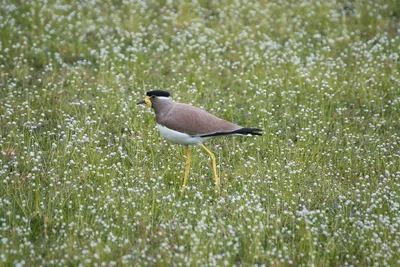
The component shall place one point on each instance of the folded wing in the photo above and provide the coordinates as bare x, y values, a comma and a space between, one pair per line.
196, 122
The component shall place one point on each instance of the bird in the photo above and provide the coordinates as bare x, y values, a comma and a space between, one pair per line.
188, 125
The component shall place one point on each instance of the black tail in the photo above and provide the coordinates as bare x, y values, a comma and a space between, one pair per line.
252, 131
243, 131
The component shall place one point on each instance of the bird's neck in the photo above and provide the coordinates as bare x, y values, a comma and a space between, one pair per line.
162, 106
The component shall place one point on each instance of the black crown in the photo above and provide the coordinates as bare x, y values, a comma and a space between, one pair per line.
158, 93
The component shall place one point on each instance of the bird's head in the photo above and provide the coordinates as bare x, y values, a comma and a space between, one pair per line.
153, 96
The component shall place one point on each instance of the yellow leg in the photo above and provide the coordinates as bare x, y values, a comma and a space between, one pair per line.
214, 165
187, 167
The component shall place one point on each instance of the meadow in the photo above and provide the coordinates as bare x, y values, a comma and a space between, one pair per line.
87, 180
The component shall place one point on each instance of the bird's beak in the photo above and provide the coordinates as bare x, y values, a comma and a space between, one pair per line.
146, 101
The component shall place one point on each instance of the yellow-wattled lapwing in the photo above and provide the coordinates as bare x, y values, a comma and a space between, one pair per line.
188, 125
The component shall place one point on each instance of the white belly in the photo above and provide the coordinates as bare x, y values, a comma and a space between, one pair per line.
179, 138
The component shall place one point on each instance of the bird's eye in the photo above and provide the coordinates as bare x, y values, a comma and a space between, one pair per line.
153, 96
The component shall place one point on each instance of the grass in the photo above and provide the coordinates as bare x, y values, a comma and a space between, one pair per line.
86, 179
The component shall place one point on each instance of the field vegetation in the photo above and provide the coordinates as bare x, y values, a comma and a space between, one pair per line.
86, 179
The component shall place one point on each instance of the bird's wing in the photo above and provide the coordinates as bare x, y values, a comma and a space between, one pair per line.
194, 121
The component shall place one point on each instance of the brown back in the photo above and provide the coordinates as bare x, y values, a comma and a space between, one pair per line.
193, 121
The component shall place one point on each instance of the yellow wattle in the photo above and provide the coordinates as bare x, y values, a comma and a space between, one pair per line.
147, 101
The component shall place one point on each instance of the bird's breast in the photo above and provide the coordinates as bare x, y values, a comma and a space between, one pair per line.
178, 137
